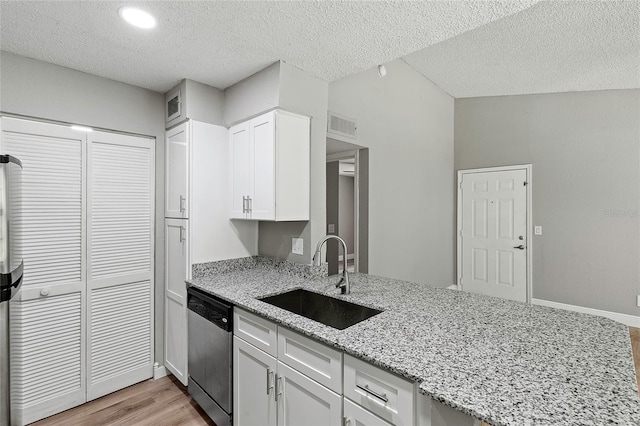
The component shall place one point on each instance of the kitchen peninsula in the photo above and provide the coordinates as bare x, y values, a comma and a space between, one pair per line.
500, 361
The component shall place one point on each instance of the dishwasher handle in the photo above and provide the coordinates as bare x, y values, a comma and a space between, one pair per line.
212, 309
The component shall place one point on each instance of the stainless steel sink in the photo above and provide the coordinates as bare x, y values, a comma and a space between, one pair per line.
327, 310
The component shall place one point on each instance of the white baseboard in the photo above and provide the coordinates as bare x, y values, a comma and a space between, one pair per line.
159, 371
630, 320
454, 287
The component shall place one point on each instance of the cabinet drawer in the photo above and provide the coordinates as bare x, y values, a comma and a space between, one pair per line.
355, 415
256, 330
320, 362
379, 391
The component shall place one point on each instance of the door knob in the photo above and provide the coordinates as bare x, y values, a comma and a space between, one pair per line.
520, 247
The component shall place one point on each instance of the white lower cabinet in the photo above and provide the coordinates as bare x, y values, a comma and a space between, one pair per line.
355, 415
254, 402
286, 379
302, 401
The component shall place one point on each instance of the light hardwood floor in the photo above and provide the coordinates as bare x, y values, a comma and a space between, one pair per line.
162, 402
165, 402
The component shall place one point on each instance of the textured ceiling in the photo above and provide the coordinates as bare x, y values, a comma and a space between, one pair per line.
552, 47
220, 43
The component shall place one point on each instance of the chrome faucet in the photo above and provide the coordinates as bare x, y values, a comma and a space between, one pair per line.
345, 288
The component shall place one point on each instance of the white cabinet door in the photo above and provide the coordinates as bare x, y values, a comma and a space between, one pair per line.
270, 167
355, 415
263, 185
240, 149
253, 386
177, 172
120, 246
176, 272
304, 402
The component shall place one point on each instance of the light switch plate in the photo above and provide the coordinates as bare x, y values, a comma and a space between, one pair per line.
297, 246
537, 230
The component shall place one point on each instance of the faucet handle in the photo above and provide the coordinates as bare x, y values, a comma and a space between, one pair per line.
341, 283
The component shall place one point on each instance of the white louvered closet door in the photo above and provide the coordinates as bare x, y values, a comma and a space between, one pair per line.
47, 327
120, 261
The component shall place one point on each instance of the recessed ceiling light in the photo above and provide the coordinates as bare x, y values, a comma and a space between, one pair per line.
137, 17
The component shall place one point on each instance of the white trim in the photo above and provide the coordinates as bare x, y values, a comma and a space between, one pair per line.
529, 179
454, 287
630, 320
159, 371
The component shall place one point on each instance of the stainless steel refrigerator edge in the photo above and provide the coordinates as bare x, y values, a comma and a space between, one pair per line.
11, 267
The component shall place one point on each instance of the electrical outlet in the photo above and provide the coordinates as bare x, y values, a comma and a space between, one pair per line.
537, 230
297, 246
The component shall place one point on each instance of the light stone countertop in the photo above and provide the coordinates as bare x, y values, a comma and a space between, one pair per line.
504, 362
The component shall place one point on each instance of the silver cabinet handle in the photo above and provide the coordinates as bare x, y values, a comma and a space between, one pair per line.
182, 236
278, 387
183, 203
365, 388
244, 204
269, 374
250, 202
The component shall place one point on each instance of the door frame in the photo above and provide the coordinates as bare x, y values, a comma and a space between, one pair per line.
461, 173
347, 155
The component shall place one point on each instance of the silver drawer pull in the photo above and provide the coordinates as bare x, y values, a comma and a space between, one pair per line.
382, 397
182, 204
269, 375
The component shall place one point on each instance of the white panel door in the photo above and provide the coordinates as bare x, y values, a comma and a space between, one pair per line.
262, 202
176, 271
177, 172
304, 402
120, 200
494, 231
47, 327
253, 386
241, 171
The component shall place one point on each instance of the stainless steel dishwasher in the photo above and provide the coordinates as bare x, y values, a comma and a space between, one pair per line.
210, 324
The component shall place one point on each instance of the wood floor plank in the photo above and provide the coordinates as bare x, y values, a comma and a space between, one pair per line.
153, 402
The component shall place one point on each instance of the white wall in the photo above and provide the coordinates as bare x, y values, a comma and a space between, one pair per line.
253, 95
407, 124
585, 152
43, 90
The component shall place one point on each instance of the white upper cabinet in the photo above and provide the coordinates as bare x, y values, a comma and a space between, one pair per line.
270, 167
177, 172
240, 148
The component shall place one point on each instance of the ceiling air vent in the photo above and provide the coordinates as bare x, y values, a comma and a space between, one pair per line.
341, 128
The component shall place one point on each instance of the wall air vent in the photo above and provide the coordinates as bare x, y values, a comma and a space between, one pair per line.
341, 128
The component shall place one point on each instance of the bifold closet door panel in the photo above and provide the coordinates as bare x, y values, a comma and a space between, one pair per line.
47, 356
120, 199
47, 316
52, 204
